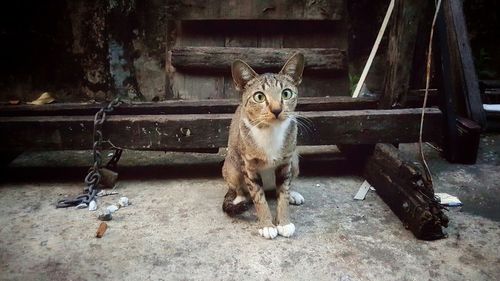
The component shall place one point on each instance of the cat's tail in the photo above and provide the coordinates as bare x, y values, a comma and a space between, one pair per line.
233, 209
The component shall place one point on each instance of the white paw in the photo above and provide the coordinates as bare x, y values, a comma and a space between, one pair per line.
296, 198
239, 199
268, 232
286, 230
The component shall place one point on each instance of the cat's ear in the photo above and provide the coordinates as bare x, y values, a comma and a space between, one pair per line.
242, 74
294, 67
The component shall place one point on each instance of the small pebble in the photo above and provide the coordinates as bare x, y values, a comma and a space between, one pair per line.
81, 206
106, 216
92, 205
112, 208
123, 202
317, 185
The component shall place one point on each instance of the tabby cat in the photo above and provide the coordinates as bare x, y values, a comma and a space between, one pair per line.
262, 152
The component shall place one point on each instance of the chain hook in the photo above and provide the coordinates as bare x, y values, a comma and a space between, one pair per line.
93, 177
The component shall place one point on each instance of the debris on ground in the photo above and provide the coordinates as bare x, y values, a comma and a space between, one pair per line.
103, 193
14, 102
448, 200
362, 191
44, 98
123, 202
81, 206
105, 216
92, 205
112, 208
102, 228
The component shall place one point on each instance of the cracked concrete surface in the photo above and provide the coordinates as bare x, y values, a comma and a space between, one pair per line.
175, 229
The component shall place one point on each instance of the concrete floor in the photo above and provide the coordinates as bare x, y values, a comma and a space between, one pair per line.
175, 229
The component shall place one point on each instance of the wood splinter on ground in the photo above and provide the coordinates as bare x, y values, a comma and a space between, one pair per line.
101, 230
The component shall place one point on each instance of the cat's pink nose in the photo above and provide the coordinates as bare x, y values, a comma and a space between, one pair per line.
276, 112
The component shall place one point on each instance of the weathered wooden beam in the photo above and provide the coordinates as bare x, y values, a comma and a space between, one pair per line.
220, 58
463, 73
181, 107
249, 10
164, 132
402, 187
469, 135
447, 97
407, 16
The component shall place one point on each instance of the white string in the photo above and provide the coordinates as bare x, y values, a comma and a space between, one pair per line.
427, 82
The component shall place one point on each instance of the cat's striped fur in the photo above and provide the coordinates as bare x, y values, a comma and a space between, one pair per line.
262, 145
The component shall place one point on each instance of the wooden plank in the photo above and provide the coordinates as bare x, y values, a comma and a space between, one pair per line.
187, 85
163, 132
464, 77
403, 188
220, 59
469, 135
180, 107
243, 34
407, 16
247, 10
319, 34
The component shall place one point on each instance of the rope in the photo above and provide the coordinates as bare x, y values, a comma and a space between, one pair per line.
426, 94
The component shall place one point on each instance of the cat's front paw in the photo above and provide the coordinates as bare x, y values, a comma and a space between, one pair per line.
268, 232
296, 198
286, 230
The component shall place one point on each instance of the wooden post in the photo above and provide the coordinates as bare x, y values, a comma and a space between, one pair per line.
465, 84
406, 17
459, 87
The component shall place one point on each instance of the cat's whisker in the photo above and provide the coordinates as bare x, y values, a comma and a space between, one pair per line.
302, 124
305, 119
304, 128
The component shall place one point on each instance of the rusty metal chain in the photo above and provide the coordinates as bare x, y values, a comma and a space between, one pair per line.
93, 177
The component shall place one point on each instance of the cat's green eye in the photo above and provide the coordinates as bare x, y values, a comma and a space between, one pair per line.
287, 94
259, 97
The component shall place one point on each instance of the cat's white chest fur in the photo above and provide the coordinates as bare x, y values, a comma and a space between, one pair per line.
270, 140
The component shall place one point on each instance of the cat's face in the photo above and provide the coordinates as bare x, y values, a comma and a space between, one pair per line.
269, 98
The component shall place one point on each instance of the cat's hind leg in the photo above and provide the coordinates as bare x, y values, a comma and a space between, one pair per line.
235, 201
234, 204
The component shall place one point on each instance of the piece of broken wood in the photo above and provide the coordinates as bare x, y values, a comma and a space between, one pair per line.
403, 188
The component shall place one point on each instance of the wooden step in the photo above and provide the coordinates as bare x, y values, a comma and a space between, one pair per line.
201, 131
254, 9
180, 107
270, 59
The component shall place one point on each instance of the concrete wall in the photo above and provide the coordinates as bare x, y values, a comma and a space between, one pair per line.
83, 50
